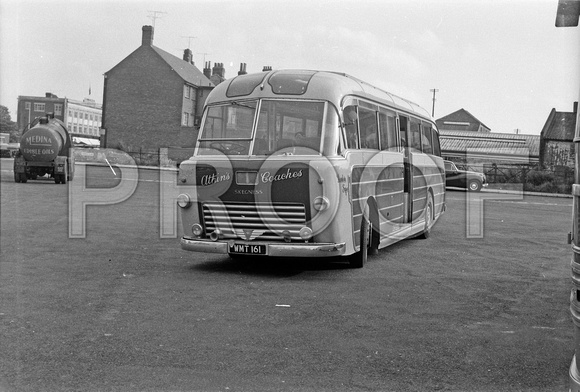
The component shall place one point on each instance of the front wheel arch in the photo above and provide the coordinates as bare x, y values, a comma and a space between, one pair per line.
429, 216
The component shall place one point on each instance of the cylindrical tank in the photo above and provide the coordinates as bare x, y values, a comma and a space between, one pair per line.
43, 142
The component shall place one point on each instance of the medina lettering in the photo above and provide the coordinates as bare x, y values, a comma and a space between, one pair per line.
38, 140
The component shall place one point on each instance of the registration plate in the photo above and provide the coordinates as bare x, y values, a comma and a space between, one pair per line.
248, 249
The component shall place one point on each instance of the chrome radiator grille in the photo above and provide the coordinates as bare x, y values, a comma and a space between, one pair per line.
251, 221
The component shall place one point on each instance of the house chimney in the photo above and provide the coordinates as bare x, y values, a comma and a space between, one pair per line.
576, 107
207, 69
267, 68
242, 70
188, 56
219, 70
147, 38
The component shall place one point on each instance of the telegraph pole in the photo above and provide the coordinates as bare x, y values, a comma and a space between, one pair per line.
433, 90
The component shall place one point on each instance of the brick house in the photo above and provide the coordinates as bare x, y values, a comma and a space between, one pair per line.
153, 99
557, 139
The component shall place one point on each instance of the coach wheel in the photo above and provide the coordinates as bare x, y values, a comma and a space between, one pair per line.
474, 186
428, 219
359, 259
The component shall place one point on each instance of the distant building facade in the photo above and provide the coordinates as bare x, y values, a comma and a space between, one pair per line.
82, 118
461, 120
557, 139
153, 99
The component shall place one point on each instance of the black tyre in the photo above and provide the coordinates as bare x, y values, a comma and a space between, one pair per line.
474, 185
359, 259
428, 219
64, 176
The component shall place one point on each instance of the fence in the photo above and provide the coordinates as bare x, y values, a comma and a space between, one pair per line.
163, 157
533, 178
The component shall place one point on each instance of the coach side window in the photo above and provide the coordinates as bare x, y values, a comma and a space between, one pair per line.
403, 130
436, 145
368, 128
351, 127
415, 135
427, 145
388, 131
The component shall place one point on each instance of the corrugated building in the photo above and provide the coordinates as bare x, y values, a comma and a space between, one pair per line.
480, 149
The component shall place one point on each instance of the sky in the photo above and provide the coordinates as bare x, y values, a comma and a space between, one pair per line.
503, 61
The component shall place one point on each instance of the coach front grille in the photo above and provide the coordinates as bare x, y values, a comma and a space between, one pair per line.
254, 221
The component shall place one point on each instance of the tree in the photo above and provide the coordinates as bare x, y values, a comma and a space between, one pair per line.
7, 125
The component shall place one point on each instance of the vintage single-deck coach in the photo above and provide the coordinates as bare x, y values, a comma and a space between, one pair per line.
301, 163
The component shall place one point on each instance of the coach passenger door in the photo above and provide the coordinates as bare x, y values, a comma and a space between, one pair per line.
408, 172
417, 163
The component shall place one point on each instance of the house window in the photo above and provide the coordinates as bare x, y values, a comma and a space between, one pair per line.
58, 108
186, 91
185, 119
26, 105
39, 107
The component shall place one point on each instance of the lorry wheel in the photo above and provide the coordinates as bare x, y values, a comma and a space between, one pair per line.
57, 179
23, 177
64, 176
16, 177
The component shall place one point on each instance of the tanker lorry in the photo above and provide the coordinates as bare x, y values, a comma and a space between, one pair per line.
45, 148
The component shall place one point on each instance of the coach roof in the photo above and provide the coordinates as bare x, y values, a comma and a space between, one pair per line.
307, 84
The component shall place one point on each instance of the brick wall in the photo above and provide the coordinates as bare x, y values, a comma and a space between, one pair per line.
143, 103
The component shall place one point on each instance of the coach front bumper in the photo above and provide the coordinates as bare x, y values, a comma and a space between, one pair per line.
272, 249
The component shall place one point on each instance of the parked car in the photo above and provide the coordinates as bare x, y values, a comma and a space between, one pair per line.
472, 181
